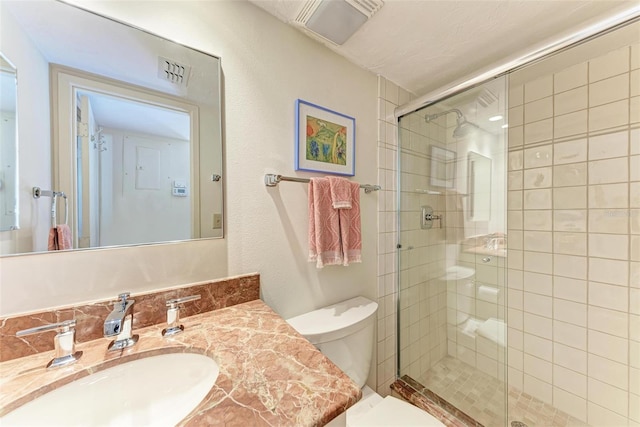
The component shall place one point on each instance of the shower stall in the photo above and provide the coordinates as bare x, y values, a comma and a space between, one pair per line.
518, 227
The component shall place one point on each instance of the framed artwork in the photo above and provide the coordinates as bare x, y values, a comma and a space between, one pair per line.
325, 140
443, 167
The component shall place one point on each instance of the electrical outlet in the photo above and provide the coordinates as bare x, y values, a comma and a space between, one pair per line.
217, 221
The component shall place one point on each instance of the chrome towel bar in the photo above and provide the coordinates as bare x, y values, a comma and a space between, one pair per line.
271, 180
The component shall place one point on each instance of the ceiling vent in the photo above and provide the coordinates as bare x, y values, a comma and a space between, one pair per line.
336, 20
173, 71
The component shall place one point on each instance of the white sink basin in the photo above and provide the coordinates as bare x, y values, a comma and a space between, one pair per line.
158, 390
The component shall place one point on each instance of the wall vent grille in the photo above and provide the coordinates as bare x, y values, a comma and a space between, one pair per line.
173, 72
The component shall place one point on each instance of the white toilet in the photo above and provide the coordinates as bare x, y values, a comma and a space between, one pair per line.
344, 332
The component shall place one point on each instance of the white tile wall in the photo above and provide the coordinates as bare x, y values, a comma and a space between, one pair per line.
574, 299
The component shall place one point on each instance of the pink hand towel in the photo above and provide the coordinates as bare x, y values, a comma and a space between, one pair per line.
350, 229
60, 238
324, 226
340, 192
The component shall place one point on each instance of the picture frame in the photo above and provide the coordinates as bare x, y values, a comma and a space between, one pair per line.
325, 140
443, 167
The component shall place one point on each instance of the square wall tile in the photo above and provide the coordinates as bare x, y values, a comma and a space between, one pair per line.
538, 262
538, 389
571, 266
543, 130
516, 116
608, 396
597, 415
537, 220
537, 325
538, 368
571, 101
609, 145
569, 175
570, 124
516, 95
608, 116
607, 346
570, 403
570, 335
570, 289
570, 152
570, 220
570, 78
609, 171
516, 160
570, 381
571, 312
608, 196
609, 90
570, 197
569, 357
609, 321
612, 246
538, 304
612, 221
611, 64
537, 283
538, 110
570, 243
538, 199
538, 156
539, 88
538, 178
610, 271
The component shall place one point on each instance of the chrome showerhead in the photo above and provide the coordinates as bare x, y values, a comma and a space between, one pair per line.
463, 127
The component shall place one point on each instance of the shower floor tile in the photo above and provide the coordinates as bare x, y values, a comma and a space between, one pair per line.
482, 397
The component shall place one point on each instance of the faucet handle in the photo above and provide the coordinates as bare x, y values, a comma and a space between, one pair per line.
64, 341
172, 303
173, 314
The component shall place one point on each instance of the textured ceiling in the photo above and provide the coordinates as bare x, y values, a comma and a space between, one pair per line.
423, 45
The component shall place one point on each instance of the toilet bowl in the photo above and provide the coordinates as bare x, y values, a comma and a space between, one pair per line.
344, 332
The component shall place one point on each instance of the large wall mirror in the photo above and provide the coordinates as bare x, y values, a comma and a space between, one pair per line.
119, 133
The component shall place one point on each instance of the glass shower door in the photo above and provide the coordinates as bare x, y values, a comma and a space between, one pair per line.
452, 255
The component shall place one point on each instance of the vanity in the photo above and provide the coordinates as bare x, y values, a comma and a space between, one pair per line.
269, 375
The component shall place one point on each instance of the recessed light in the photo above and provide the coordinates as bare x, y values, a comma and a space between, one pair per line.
504, 126
495, 118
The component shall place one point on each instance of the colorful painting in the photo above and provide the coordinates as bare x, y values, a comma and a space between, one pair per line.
325, 140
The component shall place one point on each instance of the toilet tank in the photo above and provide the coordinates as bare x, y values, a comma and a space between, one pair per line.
344, 332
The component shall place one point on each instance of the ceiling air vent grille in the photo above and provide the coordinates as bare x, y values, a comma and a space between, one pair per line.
335, 20
306, 11
173, 71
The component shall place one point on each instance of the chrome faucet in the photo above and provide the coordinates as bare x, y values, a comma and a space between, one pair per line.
119, 324
64, 342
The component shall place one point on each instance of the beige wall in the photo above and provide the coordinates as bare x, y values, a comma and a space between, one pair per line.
574, 220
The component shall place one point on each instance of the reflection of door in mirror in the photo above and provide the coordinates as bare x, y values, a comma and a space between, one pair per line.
479, 175
133, 177
8, 147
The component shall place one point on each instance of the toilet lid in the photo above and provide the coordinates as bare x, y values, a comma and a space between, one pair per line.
395, 412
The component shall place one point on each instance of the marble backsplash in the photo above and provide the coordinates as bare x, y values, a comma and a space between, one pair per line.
149, 310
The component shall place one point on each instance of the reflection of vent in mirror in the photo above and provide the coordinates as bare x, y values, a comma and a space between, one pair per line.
173, 71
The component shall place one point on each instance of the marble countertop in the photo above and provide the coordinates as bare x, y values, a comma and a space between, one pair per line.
269, 374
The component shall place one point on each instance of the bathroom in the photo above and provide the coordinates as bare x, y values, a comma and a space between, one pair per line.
264, 72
